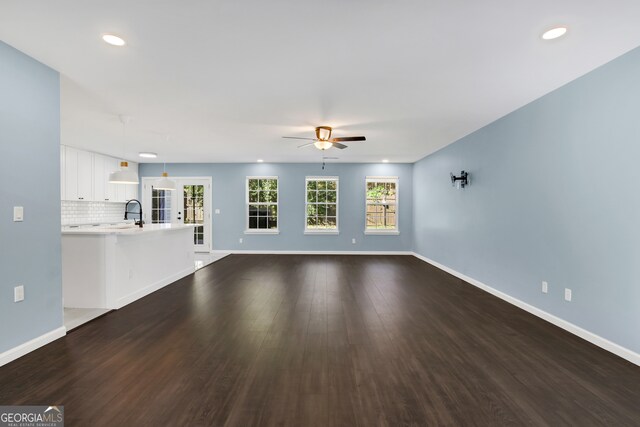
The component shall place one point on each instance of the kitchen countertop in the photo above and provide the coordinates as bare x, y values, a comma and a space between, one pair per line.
124, 230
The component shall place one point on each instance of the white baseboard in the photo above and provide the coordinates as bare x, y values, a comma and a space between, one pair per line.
234, 251
121, 302
19, 351
603, 343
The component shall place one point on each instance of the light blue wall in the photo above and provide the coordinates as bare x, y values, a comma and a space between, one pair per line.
229, 196
29, 177
553, 197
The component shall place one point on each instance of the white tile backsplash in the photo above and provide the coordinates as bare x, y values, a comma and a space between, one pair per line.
79, 212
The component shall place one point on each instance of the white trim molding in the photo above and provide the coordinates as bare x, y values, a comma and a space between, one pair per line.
31, 345
374, 232
265, 231
601, 342
251, 252
328, 232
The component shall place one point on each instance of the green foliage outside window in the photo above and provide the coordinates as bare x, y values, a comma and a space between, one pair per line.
263, 203
322, 204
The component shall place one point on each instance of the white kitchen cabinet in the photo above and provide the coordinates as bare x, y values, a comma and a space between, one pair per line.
109, 192
111, 165
131, 190
78, 171
99, 178
124, 192
85, 176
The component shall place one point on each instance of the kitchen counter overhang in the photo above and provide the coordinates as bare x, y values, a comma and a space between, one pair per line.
125, 230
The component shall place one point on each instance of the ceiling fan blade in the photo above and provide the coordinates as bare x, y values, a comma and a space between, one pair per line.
340, 146
295, 137
305, 145
348, 138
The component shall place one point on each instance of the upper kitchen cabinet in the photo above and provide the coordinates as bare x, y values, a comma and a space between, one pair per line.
85, 177
100, 178
78, 174
131, 191
119, 192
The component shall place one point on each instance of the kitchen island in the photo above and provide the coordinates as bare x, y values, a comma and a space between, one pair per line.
112, 266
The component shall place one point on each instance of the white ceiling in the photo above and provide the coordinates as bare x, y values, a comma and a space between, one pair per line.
226, 79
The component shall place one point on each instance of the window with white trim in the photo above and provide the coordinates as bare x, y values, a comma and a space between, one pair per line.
262, 204
321, 210
382, 205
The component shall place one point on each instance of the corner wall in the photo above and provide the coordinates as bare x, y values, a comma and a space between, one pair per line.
553, 197
29, 177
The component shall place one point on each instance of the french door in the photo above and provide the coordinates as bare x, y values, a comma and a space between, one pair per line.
189, 203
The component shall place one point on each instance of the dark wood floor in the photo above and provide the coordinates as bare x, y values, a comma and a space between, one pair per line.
324, 340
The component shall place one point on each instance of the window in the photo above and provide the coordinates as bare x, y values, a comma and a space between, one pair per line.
160, 206
382, 205
262, 204
322, 205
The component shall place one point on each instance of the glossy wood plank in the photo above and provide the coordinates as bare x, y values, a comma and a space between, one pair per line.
324, 340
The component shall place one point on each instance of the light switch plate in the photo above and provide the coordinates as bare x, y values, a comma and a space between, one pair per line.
545, 287
18, 293
217, 211
18, 214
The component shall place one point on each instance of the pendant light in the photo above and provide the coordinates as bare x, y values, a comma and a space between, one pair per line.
124, 175
165, 183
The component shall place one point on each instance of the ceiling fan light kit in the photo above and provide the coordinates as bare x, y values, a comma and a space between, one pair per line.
323, 145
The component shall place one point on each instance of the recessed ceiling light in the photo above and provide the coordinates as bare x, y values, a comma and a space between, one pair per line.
260, 161
385, 161
554, 33
113, 40
148, 155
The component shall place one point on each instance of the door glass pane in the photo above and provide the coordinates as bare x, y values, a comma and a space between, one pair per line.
160, 206
194, 210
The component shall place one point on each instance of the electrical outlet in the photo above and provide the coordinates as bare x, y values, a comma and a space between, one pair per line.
567, 294
545, 287
240, 240
353, 241
18, 293
217, 211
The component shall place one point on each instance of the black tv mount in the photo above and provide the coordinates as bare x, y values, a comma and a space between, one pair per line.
463, 178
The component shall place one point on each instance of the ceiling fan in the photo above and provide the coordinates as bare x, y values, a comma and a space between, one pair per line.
323, 140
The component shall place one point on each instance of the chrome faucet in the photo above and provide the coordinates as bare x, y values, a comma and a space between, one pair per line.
126, 211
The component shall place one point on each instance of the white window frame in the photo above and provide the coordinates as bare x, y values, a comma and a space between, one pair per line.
328, 231
382, 232
277, 203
